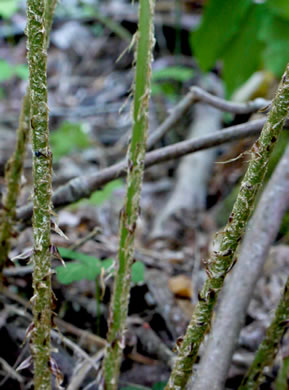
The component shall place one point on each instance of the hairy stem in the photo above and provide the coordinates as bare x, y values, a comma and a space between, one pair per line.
14, 166
268, 349
130, 212
226, 242
13, 173
39, 19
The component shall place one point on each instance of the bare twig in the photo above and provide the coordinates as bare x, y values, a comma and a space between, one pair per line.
83, 370
84, 186
197, 94
227, 106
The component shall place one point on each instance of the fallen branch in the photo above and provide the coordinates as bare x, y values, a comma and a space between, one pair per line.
83, 186
188, 198
197, 94
227, 106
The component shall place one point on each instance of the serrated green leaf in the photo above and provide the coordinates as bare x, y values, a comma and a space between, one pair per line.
222, 20
243, 55
280, 7
67, 138
6, 71
8, 8
177, 73
137, 272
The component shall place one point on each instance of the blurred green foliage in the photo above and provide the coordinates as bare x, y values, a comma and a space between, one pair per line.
8, 71
8, 8
156, 386
68, 138
100, 196
89, 267
246, 36
167, 81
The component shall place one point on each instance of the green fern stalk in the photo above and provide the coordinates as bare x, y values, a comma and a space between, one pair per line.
268, 349
13, 173
226, 242
38, 23
130, 212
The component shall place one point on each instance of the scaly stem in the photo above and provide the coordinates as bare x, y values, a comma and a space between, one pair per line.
268, 349
226, 242
130, 212
13, 173
14, 166
39, 19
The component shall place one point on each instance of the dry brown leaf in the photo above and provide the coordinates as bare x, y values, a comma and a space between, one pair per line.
181, 286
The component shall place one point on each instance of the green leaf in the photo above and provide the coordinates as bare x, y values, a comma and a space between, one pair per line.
22, 71
6, 71
67, 138
8, 8
159, 386
280, 7
75, 271
243, 55
137, 272
276, 56
134, 387
274, 32
73, 255
86, 267
89, 267
177, 73
273, 28
221, 21
99, 197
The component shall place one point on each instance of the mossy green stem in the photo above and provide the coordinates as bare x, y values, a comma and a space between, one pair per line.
226, 242
131, 209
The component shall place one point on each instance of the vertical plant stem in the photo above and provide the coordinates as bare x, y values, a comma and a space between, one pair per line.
226, 242
130, 212
13, 173
268, 349
14, 166
281, 382
98, 306
39, 19
49, 12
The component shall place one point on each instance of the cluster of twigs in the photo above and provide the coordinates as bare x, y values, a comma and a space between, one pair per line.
34, 116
